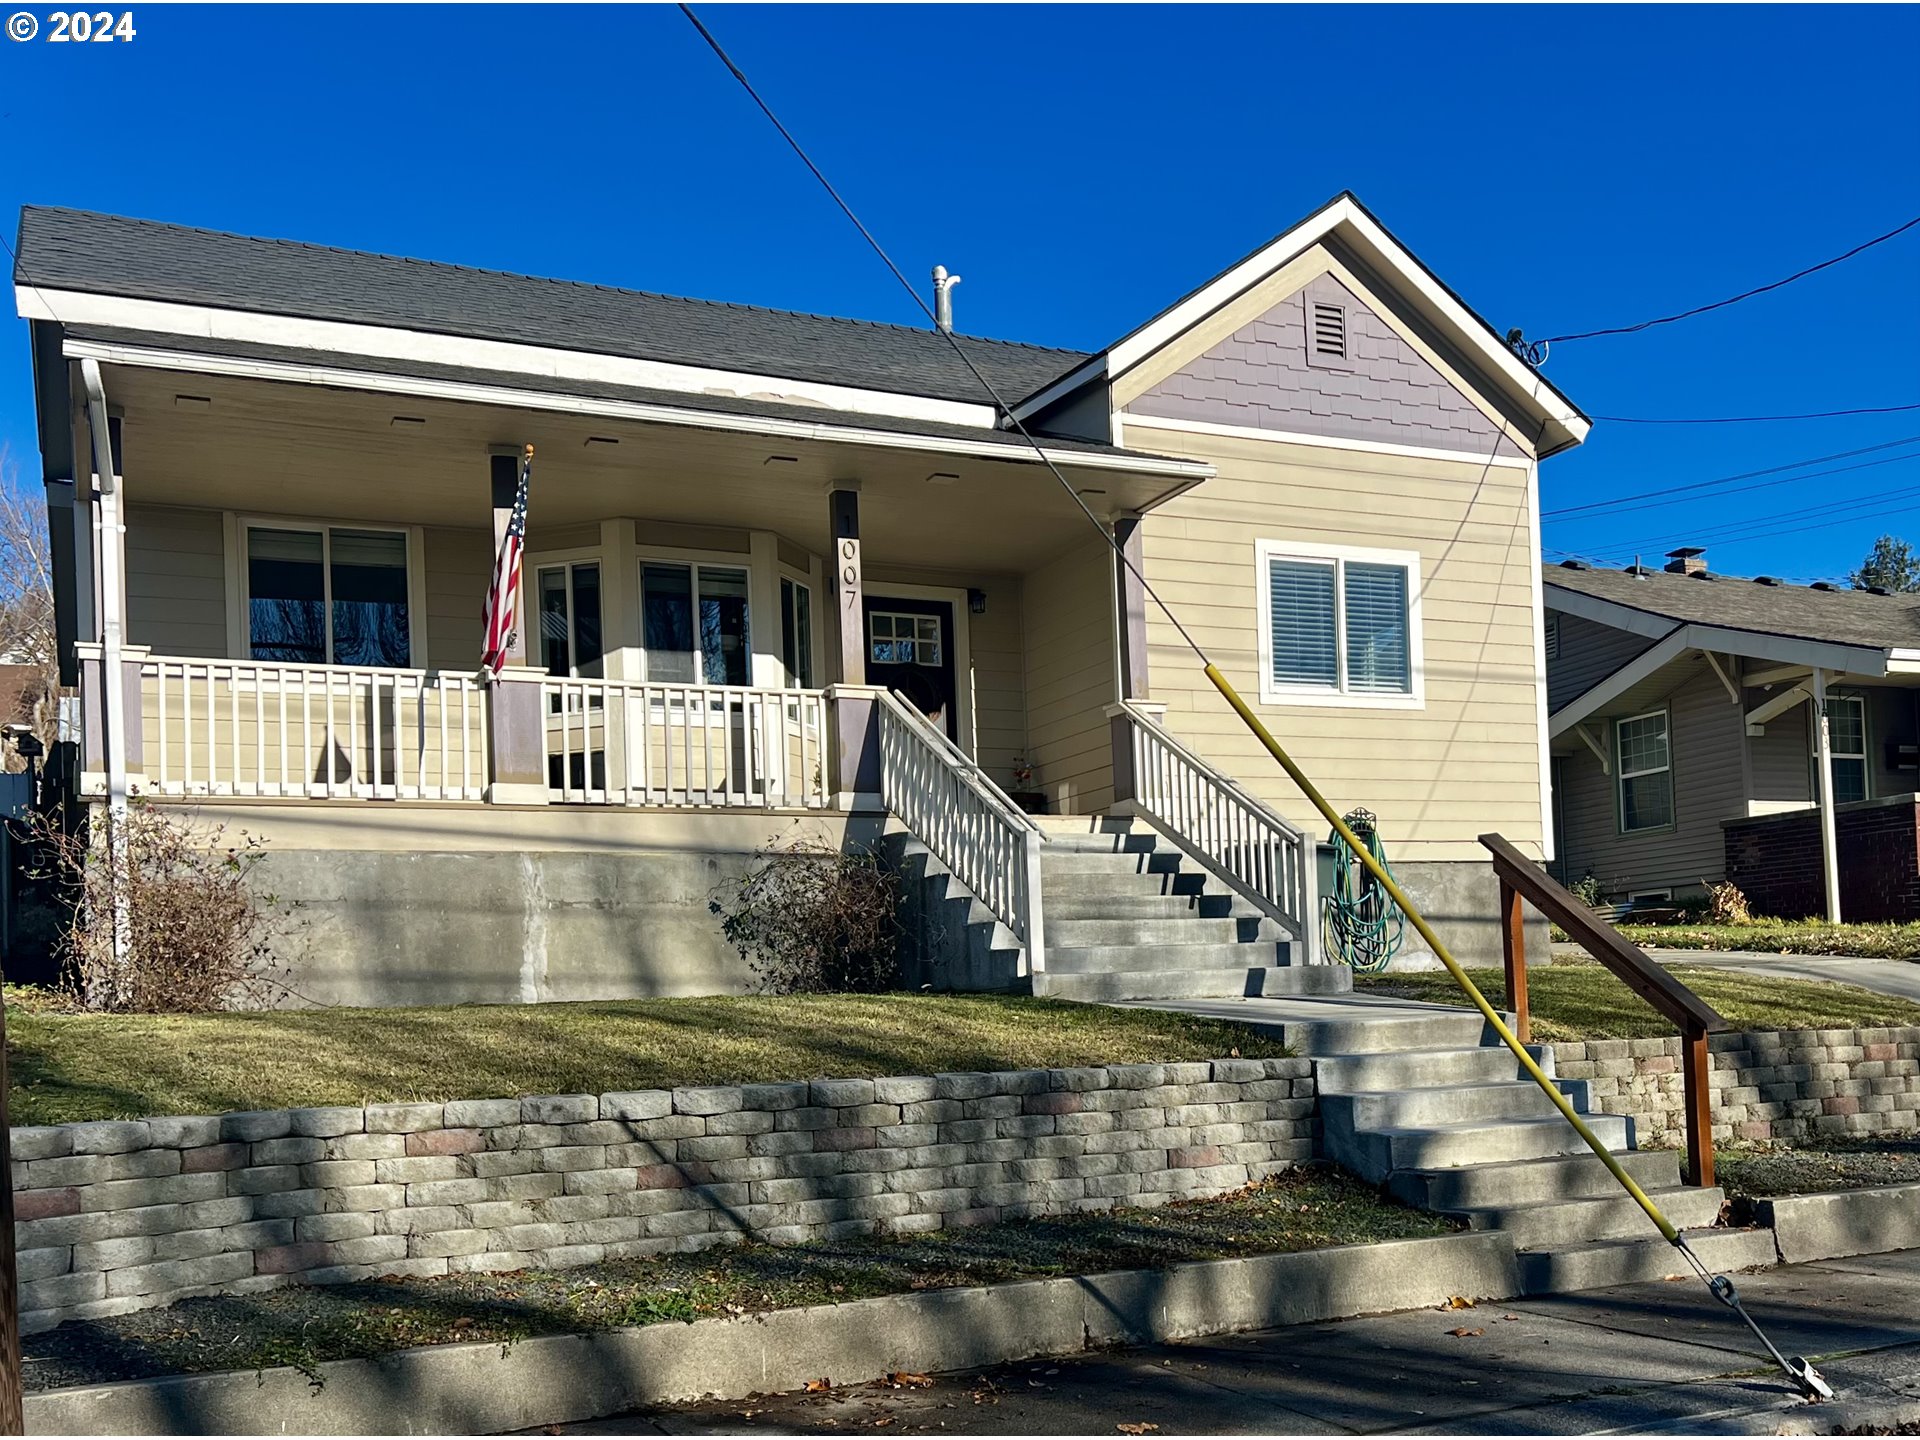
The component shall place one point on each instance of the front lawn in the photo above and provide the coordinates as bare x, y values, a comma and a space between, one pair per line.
1803, 1167
1887, 941
1302, 1210
97, 1067
1578, 1001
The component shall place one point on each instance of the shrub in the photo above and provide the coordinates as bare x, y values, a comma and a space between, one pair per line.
199, 935
809, 919
1727, 904
1588, 889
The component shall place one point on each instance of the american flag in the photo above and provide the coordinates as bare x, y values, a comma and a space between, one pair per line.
503, 595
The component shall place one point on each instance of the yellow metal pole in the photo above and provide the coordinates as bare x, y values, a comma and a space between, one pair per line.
1380, 873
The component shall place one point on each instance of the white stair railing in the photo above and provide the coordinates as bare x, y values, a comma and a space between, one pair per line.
620, 742
952, 807
264, 728
1243, 840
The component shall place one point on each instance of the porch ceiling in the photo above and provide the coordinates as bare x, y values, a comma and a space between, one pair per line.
293, 449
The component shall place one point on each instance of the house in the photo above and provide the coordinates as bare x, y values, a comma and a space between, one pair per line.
750, 533
1686, 737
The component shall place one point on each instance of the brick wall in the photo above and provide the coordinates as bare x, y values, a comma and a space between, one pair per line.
1765, 1084
1775, 859
124, 1215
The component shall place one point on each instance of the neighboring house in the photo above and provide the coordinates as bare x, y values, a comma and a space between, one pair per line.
742, 518
1685, 743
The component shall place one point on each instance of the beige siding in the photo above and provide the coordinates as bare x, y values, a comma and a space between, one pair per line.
176, 580
998, 652
1705, 731
1469, 760
1071, 678
1589, 652
458, 566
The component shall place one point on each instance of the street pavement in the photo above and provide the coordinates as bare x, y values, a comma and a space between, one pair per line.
1888, 977
1635, 1358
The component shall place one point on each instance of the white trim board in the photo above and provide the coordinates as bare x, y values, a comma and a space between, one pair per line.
74, 307
1133, 420
141, 357
1540, 662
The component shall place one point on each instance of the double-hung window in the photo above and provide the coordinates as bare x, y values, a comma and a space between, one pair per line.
328, 595
693, 622
1339, 626
1643, 759
570, 635
796, 632
1847, 737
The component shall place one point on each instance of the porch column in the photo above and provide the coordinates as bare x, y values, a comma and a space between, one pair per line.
848, 662
1829, 841
855, 778
503, 471
1130, 600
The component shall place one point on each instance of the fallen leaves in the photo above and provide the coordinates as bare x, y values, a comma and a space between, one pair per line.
1136, 1427
1462, 1331
908, 1380
819, 1387
1459, 1302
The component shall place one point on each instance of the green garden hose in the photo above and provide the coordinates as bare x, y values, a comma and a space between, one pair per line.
1363, 925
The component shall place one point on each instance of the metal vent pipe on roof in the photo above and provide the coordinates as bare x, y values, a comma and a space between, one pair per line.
943, 284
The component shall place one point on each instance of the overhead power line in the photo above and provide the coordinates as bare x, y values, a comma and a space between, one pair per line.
1622, 501
1753, 419
1764, 484
1743, 295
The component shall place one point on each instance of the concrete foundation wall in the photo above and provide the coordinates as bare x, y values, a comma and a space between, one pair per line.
1765, 1084
1461, 900
128, 1215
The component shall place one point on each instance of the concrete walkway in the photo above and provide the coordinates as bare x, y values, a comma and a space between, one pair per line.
1636, 1358
1886, 977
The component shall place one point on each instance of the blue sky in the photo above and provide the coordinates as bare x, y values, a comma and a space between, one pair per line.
1562, 167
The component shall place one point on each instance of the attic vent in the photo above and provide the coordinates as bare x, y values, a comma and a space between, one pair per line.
1878, 590
1766, 580
1326, 333
1704, 575
1574, 565
1823, 585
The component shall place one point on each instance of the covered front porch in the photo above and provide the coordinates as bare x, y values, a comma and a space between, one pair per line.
712, 599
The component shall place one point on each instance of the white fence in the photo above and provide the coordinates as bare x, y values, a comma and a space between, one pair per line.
616, 742
951, 806
260, 728
1251, 847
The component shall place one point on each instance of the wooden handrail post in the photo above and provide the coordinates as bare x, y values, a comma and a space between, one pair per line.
1513, 943
1695, 1070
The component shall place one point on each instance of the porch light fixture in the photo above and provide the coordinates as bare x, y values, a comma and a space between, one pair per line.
781, 460
192, 402
943, 477
976, 602
400, 420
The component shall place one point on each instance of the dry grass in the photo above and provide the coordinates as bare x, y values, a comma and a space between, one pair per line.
92, 1067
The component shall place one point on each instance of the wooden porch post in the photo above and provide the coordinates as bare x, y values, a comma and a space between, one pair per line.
503, 473
1513, 944
1130, 598
516, 712
849, 657
1696, 1071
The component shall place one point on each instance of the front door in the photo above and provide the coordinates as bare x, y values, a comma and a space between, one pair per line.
910, 651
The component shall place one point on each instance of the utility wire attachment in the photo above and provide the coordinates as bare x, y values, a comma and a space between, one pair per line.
1807, 1380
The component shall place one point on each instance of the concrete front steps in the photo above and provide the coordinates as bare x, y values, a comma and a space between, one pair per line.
1131, 916
1427, 1102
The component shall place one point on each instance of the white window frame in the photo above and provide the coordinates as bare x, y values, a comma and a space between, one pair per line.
783, 578
1622, 775
239, 596
693, 563
1339, 697
533, 568
1863, 754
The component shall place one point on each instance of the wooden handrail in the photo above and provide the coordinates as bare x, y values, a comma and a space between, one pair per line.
1520, 879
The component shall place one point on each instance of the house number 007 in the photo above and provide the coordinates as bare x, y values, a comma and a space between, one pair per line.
850, 569
81, 25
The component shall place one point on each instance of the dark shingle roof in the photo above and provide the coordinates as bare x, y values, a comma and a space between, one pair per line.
1016, 446
113, 255
1841, 617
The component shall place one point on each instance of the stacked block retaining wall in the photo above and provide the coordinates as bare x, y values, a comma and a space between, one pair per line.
115, 1216
1765, 1084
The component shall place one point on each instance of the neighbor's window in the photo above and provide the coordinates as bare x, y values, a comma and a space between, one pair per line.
1340, 624
1847, 734
796, 632
693, 622
1644, 761
328, 595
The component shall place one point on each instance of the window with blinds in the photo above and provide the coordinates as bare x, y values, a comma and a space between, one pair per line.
1339, 625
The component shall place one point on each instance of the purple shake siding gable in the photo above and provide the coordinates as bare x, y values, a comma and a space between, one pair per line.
1259, 377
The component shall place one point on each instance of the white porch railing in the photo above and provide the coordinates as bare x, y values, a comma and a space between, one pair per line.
618, 742
1251, 847
951, 806
261, 728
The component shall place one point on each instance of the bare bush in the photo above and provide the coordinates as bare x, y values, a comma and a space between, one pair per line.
1727, 903
809, 919
26, 607
199, 934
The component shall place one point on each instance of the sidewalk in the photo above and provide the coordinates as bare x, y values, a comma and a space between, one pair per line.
1886, 977
1637, 1358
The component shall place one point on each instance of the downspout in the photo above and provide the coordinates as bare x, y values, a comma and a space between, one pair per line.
112, 678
